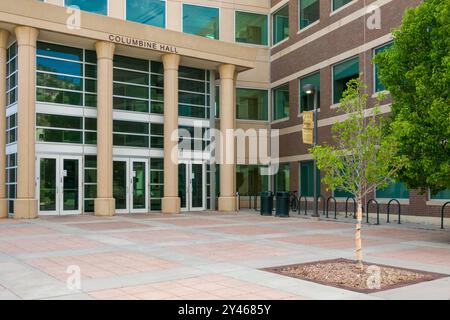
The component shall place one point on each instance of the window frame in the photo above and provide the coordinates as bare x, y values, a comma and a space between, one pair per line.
272, 38
165, 15
300, 29
201, 6
272, 94
107, 8
252, 44
374, 67
300, 112
333, 11
332, 76
268, 103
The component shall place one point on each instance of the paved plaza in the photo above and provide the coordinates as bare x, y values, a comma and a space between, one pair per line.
203, 256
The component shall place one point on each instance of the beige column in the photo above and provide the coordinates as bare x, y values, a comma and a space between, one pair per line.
227, 199
105, 204
4, 35
171, 201
26, 205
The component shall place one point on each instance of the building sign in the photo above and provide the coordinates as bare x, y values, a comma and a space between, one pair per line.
308, 127
144, 44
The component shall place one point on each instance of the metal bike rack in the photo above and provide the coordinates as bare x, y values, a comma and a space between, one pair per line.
389, 209
335, 206
323, 203
354, 207
300, 202
378, 210
442, 214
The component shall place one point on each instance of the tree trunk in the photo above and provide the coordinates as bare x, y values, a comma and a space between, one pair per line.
358, 243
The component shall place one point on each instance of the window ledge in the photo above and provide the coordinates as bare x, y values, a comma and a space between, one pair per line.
376, 94
252, 45
308, 27
279, 43
341, 8
280, 120
301, 113
437, 202
403, 202
335, 106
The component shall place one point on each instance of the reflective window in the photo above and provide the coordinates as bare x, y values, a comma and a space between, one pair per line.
251, 28
309, 12
252, 104
194, 138
281, 102
443, 195
201, 21
307, 179
94, 6
58, 128
11, 180
249, 181
11, 128
151, 12
340, 3
307, 101
156, 183
282, 178
130, 134
90, 182
378, 85
66, 75
396, 190
342, 74
280, 25
11, 77
138, 85
194, 93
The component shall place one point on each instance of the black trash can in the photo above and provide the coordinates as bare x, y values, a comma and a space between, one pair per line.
266, 203
282, 204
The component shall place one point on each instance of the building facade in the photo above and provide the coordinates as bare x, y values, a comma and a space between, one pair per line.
92, 99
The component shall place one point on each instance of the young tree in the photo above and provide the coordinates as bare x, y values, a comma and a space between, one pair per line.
416, 72
360, 159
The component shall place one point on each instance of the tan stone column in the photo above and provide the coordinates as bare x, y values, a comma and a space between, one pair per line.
4, 35
26, 205
227, 199
105, 204
171, 202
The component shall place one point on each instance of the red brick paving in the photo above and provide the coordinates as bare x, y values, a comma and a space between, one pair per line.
105, 226
328, 241
234, 251
100, 265
192, 222
247, 230
27, 230
427, 255
408, 234
46, 244
159, 236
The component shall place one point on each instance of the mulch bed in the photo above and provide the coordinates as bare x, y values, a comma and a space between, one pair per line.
345, 274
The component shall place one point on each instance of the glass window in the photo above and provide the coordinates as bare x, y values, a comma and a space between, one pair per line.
309, 12
90, 182
11, 79
130, 134
151, 12
251, 28
156, 136
343, 73
201, 21
58, 128
443, 195
342, 194
307, 101
280, 24
282, 178
156, 183
252, 104
194, 93
307, 179
281, 102
396, 190
11, 180
66, 75
194, 138
249, 181
11, 128
378, 85
340, 3
94, 6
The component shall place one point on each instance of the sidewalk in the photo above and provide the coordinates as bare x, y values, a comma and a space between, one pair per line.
203, 256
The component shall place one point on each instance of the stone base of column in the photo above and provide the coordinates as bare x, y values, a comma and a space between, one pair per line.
25, 209
171, 205
3, 208
105, 207
227, 204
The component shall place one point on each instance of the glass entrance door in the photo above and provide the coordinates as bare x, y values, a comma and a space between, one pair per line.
59, 181
130, 183
192, 185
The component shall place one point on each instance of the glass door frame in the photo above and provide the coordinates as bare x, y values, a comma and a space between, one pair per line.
59, 198
189, 192
130, 184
